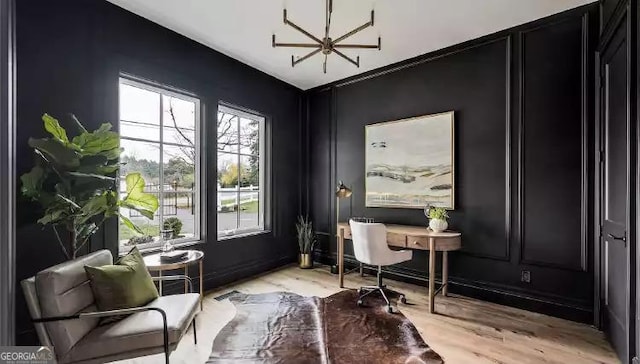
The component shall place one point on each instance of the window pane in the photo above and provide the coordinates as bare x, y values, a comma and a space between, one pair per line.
227, 213
143, 158
227, 192
249, 171
249, 130
227, 132
139, 113
179, 121
249, 208
179, 187
228, 170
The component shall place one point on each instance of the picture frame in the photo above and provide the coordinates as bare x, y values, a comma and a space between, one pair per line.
410, 163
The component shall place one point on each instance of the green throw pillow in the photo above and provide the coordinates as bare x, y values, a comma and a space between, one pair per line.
122, 285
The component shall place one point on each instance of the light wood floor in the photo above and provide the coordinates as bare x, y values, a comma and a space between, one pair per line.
464, 330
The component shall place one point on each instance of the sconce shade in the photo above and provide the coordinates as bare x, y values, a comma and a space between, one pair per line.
342, 190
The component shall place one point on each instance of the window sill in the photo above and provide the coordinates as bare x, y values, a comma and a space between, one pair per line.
243, 235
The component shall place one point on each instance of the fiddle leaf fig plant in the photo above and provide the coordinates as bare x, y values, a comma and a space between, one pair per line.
74, 180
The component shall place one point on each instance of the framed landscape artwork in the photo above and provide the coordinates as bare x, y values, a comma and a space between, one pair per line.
409, 162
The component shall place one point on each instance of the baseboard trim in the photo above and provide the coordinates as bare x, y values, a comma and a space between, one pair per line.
486, 292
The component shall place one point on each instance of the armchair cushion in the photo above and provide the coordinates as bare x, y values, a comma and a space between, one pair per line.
123, 285
139, 331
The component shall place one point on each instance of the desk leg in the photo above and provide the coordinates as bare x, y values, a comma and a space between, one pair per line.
445, 273
201, 286
432, 273
341, 257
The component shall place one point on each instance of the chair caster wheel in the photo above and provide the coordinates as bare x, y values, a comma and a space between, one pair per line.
403, 299
359, 303
389, 309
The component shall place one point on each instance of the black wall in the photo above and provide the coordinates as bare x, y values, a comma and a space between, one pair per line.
70, 54
523, 103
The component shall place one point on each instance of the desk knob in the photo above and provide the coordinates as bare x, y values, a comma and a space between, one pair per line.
415, 242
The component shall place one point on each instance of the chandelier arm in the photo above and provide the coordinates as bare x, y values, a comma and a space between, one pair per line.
324, 64
365, 46
296, 45
356, 63
294, 26
295, 62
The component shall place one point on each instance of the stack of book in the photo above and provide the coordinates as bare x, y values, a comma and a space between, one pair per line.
173, 256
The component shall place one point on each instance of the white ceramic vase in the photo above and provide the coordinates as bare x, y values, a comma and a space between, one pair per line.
438, 225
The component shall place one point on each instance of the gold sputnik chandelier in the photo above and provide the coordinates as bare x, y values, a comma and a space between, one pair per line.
326, 45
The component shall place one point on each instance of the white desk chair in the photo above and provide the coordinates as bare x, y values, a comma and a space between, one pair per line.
370, 247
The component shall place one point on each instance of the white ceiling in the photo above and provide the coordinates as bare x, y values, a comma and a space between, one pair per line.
242, 28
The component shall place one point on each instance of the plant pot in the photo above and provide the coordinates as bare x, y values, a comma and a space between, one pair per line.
438, 225
166, 234
306, 261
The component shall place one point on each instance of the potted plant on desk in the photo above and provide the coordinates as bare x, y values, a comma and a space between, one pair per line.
306, 241
438, 219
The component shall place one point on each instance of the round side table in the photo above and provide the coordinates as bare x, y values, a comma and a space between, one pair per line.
154, 264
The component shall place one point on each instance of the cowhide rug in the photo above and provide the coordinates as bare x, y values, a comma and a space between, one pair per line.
288, 328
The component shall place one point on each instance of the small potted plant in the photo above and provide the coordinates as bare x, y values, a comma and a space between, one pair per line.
173, 226
438, 219
306, 241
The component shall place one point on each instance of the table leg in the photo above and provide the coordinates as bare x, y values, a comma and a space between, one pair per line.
341, 257
186, 273
201, 286
445, 273
432, 273
160, 282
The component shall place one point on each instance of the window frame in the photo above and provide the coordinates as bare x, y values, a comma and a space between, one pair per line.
262, 227
200, 185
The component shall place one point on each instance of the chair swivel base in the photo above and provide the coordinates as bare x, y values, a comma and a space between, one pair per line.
367, 290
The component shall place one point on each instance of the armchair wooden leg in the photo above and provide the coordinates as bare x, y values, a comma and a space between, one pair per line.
195, 335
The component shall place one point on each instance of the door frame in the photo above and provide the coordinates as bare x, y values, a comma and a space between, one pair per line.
7, 168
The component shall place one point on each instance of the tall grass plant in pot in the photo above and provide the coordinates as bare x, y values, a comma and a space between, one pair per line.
306, 241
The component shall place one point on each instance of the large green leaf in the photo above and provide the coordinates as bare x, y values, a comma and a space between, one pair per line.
56, 151
112, 154
52, 125
51, 216
99, 141
93, 207
130, 224
136, 198
32, 182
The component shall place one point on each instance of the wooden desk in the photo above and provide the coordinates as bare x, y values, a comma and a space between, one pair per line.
412, 237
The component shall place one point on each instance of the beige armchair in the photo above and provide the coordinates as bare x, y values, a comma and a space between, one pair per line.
62, 307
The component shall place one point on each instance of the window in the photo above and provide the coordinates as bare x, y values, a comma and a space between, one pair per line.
160, 137
240, 172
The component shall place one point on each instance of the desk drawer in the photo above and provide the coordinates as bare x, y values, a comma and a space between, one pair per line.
418, 242
399, 240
